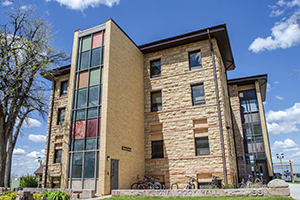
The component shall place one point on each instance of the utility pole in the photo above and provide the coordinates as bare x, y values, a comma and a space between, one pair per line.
280, 156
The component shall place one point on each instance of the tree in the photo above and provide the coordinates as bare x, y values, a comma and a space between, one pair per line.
26, 51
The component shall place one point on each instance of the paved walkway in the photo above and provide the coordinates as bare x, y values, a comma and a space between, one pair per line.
295, 191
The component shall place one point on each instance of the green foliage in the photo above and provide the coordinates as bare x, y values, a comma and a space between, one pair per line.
8, 195
29, 181
36, 196
53, 195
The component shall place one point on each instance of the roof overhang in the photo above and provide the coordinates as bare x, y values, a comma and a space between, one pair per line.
218, 32
262, 80
60, 71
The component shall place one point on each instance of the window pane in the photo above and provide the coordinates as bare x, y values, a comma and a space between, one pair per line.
195, 60
84, 61
198, 94
61, 116
90, 143
78, 144
80, 114
96, 57
81, 99
95, 76
156, 101
79, 129
100, 95
91, 128
97, 40
102, 57
89, 165
157, 149
64, 88
86, 43
57, 156
155, 68
77, 165
83, 79
101, 75
92, 112
99, 111
202, 146
97, 169
93, 96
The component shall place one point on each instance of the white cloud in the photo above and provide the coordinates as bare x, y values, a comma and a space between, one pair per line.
276, 82
23, 146
286, 146
283, 121
30, 122
6, 3
37, 138
83, 4
276, 13
19, 151
34, 154
269, 87
285, 33
279, 97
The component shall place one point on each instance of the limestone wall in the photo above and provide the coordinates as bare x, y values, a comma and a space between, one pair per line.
178, 115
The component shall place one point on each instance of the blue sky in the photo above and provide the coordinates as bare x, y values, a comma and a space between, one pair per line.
264, 38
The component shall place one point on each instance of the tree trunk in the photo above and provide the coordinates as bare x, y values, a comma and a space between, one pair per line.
8, 162
2, 160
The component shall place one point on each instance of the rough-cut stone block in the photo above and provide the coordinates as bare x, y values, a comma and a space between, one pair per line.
282, 192
278, 183
24, 195
88, 193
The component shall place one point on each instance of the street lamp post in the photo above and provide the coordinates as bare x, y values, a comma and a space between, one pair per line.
280, 156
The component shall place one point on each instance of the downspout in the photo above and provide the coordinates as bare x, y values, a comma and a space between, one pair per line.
218, 106
232, 125
49, 133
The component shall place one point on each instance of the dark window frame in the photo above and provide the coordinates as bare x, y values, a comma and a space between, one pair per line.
155, 108
195, 103
194, 67
60, 119
62, 91
159, 154
57, 156
196, 148
152, 75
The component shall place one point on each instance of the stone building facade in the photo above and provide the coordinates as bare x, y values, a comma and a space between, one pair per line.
163, 109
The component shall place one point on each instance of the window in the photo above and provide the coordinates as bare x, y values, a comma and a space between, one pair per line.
157, 149
202, 146
156, 101
195, 60
61, 116
198, 94
155, 68
58, 156
63, 88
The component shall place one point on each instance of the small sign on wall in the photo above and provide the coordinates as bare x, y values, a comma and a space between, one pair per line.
126, 148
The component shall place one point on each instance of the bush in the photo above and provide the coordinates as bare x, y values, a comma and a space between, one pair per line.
54, 195
36, 196
29, 181
8, 195
228, 186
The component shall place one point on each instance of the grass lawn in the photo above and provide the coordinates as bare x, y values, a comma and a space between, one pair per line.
296, 182
196, 198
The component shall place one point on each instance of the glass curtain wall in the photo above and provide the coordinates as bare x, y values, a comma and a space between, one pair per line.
86, 113
253, 138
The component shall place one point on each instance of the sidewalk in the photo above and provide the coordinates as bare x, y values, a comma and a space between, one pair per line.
295, 191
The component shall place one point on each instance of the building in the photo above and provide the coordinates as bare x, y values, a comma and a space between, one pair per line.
164, 109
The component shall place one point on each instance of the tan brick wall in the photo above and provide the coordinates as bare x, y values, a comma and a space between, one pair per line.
122, 121
178, 114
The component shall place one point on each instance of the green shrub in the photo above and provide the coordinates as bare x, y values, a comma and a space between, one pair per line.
7, 192
5, 197
36, 196
29, 181
8, 195
228, 186
54, 195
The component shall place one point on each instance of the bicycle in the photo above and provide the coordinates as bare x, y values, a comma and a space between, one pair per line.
190, 184
215, 181
156, 185
144, 185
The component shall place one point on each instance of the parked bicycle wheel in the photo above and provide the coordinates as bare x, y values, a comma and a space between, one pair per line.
157, 186
135, 186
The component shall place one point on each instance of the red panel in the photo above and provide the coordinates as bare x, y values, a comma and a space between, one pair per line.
99, 126
79, 129
91, 128
97, 40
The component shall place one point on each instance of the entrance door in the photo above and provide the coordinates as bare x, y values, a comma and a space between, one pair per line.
114, 174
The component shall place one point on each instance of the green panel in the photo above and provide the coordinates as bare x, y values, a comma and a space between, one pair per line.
95, 76
101, 75
86, 43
